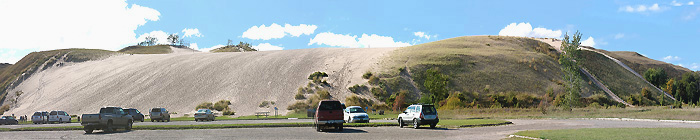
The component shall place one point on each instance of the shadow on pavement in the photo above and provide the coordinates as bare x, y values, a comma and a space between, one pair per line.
347, 130
103, 133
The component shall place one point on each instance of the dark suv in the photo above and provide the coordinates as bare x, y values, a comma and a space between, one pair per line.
135, 113
329, 114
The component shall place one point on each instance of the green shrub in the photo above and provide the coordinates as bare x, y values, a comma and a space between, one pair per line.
265, 104
357, 88
324, 94
399, 100
373, 80
354, 100
379, 93
594, 105
4, 108
318, 76
453, 102
229, 112
298, 106
299, 96
381, 107
222, 105
367, 75
205, 105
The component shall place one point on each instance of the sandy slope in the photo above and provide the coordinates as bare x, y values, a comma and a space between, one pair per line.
181, 80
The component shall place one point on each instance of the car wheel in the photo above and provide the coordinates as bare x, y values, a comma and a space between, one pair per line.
88, 130
129, 126
433, 125
340, 128
168, 119
60, 120
415, 124
400, 123
318, 128
151, 120
108, 128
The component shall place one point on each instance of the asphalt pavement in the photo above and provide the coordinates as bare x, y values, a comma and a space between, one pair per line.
184, 123
493, 132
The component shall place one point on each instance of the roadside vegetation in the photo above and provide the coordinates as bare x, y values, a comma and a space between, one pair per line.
155, 49
614, 133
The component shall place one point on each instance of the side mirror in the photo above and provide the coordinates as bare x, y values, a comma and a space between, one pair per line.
405, 112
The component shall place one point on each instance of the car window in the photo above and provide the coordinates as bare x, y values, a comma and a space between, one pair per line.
3, 117
429, 110
356, 110
37, 114
53, 113
409, 109
330, 105
202, 110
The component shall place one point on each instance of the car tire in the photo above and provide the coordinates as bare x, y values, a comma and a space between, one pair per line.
415, 124
88, 130
60, 120
151, 120
432, 126
340, 128
400, 123
318, 128
129, 126
108, 128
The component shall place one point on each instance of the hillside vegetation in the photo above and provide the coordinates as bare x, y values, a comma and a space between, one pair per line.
641, 64
240, 47
479, 66
156, 49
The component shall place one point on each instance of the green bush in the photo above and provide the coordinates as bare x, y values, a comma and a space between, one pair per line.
222, 105
373, 80
228, 112
357, 88
367, 75
266, 104
299, 96
379, 93
318, 76
205, 105
298, 106
324, 94
354, 100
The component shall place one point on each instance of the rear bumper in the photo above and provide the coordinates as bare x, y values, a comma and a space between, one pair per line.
91, 124
422, 122
328, 122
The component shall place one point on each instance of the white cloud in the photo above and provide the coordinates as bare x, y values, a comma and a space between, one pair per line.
266, 47
365, 41
71, 24
691, 3
194, 46
642, 8
525, 30
424, 35
211, 48
675, 3
619, 35
275, 31
191, 32
671, 58
160, 35
588, 42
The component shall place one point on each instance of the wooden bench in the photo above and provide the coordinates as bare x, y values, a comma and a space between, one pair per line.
258, 114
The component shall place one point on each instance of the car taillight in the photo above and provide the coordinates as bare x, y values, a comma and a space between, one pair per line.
100, 118
421, 116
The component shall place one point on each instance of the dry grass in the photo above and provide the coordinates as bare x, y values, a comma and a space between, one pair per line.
656, 112
156, 49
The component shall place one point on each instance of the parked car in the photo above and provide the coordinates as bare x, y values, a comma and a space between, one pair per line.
59, 117
159, 114
8, 120
329, 113
204, 114
135, 113
419, 114
109, 119
40, 117
355, 114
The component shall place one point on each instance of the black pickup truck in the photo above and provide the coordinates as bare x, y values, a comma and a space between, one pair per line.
109, 119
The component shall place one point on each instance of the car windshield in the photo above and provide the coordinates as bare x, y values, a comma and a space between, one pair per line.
44, 113
356, 110
202, 110
429, 110
37, 114
330, 105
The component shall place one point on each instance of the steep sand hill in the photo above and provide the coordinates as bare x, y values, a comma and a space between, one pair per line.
185, 78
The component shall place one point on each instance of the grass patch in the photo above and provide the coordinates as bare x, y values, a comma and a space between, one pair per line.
156, 49
614, 133
652, 112
471, 122
387, 115
202, 126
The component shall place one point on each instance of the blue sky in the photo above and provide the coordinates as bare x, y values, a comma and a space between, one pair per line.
662, 30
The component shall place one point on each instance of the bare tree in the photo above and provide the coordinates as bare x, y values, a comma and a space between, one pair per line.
173, 39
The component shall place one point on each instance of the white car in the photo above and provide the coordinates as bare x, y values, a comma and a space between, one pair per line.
355, 114
419, 114
59, 117
40, 117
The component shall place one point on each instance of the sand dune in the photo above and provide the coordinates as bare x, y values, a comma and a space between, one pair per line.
185, 78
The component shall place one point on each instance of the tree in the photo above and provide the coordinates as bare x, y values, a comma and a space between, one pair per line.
173, 39
400, 100
150, 41
569, 61
657, 76
436, 83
